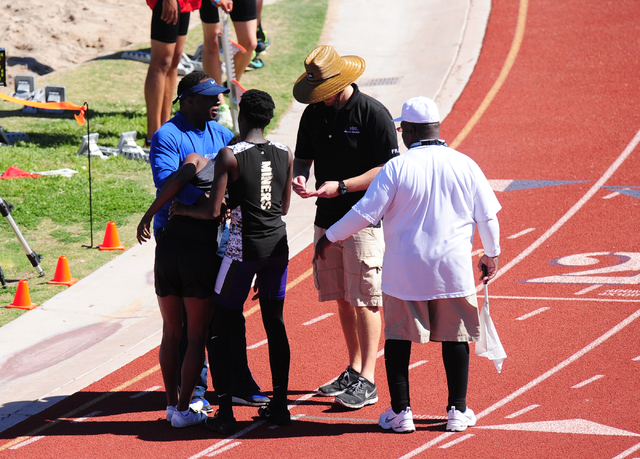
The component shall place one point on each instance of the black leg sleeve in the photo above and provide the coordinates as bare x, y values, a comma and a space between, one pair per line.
397, 354
220, 354
243, 382
455, 356
279, 352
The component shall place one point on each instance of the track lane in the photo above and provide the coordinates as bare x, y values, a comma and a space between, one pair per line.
537, 128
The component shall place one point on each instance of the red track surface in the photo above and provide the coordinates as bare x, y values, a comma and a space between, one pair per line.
566, 112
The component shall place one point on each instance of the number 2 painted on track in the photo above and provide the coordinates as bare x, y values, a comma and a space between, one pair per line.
626, 261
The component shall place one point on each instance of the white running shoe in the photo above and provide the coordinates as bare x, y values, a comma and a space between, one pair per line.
401, 422
224, 116
187, 418
459, 421
196, 405
170, 410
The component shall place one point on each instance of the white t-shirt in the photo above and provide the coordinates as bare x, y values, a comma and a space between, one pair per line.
431, 198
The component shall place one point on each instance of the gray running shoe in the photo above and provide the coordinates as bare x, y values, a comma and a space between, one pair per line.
360, 393
340, 385
190, 418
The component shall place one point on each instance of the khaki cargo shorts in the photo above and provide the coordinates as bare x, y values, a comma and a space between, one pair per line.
447, 319
352, 270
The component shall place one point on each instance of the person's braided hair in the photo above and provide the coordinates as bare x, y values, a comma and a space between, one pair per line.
257, 107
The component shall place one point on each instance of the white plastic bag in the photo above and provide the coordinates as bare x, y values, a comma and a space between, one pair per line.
489, 344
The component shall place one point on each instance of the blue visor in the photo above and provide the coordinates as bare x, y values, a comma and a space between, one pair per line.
206, 88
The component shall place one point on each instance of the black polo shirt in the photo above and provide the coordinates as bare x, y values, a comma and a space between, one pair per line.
343, 144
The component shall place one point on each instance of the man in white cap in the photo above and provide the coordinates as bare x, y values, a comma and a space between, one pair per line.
347, 136
432, 198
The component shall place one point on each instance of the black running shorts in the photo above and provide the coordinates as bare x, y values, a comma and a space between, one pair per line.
168, 33
243, 11
185, 267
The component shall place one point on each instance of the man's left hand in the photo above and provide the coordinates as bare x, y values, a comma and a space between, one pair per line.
492, 267
326, 190
321, 247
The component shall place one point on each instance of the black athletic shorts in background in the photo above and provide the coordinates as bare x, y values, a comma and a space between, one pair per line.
243, 11
168, 33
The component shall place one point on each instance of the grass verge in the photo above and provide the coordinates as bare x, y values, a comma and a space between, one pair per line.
52, 213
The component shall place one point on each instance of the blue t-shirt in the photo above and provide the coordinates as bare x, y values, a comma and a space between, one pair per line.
171, 144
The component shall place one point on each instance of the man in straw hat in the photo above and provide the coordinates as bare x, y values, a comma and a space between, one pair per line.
347, 136
432, 198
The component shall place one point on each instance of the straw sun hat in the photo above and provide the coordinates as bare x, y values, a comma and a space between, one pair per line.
327, 74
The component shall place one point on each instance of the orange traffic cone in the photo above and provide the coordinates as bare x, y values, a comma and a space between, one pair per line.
62, 275
111, 239
22, 300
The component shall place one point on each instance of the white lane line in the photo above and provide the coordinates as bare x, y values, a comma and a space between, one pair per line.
456, 441
26, 442
626, 453
522, 411
318, 319
532, 313
477, 252
428, 445
521, 233
380, 353
222, 443
417, 364
257, 345
561, 365
571, 212
636, 359
612, 195
535, 382
208, 451
145, 392
222, 450
550, 298
588, 381
588, 289
90, 415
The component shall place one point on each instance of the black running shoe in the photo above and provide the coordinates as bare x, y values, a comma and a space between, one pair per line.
340, 385
359, 394
263, 40
280, 417
217, 424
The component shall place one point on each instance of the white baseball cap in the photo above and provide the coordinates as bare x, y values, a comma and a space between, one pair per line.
419, 110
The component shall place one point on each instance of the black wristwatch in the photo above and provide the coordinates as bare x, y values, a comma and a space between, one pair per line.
342, 188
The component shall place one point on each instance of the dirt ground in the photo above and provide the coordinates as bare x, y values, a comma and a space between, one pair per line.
42, 36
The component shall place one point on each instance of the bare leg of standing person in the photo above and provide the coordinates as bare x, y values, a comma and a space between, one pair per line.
171, 311
246, 33
211, 53
349, 323
361, 326
160, 83
366, 328
213, 66
199, 313
369, 328
198, 317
